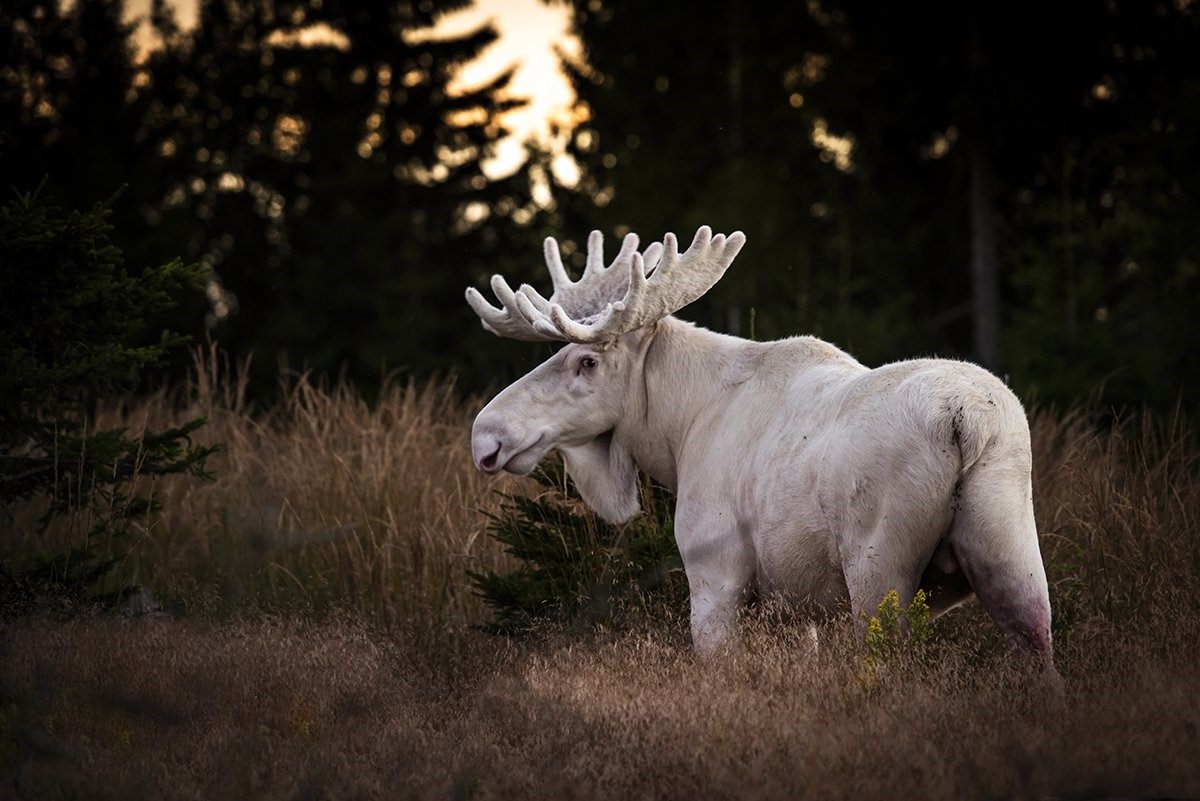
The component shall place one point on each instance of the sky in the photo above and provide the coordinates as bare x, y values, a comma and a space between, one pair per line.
529, 33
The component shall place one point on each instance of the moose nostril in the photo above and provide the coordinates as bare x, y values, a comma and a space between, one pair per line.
489, 462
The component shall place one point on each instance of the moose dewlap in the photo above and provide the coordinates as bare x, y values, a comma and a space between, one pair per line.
797, 470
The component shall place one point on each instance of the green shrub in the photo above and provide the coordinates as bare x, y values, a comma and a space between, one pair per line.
575, 568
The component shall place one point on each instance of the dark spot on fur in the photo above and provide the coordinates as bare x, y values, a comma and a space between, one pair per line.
956, 421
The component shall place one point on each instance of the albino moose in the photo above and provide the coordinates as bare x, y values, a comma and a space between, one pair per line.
797, 470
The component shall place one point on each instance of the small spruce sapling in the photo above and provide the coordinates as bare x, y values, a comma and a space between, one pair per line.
574, 567
73, 321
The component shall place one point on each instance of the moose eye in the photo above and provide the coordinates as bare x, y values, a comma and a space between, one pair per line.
587, 363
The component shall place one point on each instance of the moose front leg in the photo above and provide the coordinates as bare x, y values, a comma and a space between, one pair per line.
719, 565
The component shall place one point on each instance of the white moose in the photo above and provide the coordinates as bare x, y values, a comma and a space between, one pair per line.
797, 470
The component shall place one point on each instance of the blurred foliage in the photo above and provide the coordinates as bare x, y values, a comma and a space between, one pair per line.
575, 568
336, 193
839, 134
72, 313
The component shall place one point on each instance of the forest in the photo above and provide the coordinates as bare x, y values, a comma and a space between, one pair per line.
1012, 185
244, 549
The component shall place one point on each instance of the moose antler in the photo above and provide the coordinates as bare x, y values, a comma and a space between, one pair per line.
607, 302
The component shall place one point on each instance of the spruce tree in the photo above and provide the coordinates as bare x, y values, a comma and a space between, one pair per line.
73, 336
576, 569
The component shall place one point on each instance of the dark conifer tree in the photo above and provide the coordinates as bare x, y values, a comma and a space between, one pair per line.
1045, 143
65, 110
1001, 182
337, 190
72, 314
703, 117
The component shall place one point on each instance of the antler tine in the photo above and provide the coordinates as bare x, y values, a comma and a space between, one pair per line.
628, 249
511, 320
559, 278
595, 254
653, 256
558, 273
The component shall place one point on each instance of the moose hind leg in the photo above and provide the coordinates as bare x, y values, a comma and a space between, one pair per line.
995, 541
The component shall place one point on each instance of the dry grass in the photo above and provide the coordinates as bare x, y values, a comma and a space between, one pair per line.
322, 645
110, 708
1119, 515
322, 502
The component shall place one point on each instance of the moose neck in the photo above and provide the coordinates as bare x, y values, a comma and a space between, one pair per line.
681, 376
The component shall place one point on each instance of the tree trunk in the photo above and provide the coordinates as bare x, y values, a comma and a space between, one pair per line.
733, 312
985, 262
1070, 302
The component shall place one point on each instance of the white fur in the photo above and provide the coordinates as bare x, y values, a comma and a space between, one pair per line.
797, 470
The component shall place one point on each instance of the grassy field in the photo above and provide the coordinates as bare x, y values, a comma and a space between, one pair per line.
319, 640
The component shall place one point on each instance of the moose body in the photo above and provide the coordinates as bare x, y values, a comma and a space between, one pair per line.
797, 470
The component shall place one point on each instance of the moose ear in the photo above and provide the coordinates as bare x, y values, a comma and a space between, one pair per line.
606, 477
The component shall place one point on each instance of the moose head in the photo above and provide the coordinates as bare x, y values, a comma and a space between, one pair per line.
575, 400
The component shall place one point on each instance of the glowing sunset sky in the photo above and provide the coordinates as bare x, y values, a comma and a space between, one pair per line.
529, 31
